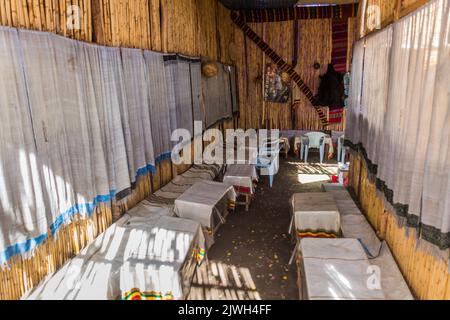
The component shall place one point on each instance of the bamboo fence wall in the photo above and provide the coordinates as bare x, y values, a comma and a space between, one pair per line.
427, 275
190, 27
390, 11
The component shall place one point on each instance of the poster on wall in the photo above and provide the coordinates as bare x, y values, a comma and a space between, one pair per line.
277, 85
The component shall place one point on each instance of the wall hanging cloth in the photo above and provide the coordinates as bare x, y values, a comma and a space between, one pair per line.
109, 94
300, 13
401, 119
196, 89
82, 136
234, 93
354, 99
331, 89
340, 44
23, 198
336, 115
136, 114
217, 96
159, 105
79, 145
180, 88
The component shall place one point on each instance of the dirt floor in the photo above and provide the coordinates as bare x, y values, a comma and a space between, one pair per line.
250, 257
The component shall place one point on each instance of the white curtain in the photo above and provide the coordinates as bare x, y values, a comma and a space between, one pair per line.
23, 201
112, 96
404, 131
217, 95
234, 92
159, 104
196, 86
80, 122
354, 110
374, 94
136, 113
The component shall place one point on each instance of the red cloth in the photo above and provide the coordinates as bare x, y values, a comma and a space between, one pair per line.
336, 115
340, 44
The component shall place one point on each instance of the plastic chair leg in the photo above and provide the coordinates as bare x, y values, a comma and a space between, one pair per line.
339, 153
271, 180
343, 155
306, 154
322, 151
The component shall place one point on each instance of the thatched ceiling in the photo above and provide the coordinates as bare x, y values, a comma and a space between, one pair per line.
253, 4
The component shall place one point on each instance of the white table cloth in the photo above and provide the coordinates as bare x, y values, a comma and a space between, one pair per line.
336, 269
163, 252
241, 175
314, 214
199, 202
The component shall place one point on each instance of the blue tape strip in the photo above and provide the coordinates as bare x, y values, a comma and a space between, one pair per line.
85, 208
30, 244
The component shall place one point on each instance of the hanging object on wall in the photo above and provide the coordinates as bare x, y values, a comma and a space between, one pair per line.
343, 11
331, 89
340, 44
277, 84
316, 65
280, 63
209, 69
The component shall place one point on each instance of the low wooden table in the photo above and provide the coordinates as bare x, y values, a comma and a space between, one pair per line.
314, 215
206, 202
335, 269
242, 177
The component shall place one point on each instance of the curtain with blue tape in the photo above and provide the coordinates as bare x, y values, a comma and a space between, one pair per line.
81, 123
136, 114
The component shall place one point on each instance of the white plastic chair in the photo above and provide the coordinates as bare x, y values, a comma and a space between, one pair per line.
268, 158
315, 140
341, 149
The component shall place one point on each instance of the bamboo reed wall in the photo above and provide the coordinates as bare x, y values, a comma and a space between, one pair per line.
47, 15
190, 27
315, 45
23, 274
390, 11
427, 275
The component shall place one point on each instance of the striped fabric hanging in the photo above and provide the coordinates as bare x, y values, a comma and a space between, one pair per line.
340, 44
280, 63
339, 59
344, 11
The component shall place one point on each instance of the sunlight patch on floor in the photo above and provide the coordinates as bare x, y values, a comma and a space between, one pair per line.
220, 281
315, 172
313, 178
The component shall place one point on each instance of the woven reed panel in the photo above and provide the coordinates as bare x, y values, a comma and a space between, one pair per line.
207, 28
386, 9
426, 274
47, 15
278, 115
226, 46
315, 44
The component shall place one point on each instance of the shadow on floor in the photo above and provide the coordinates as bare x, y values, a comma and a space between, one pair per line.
249, 260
